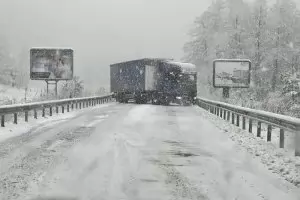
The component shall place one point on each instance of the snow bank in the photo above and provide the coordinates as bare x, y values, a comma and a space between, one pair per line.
279, 161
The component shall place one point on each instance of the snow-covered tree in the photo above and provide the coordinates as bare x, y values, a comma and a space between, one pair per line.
72, 89
269, 35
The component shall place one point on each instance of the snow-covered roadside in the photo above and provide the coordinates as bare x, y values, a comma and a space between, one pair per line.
10, 95
279, 161
12, 130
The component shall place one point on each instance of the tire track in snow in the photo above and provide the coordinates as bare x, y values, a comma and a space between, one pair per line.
16, 180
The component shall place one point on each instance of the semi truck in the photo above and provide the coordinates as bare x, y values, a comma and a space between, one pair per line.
155, 80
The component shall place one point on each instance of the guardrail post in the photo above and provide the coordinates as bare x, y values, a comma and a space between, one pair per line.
50, 110
76, 105
244, 122
258, 134
250, 125
238, 120
228, 115
221, 113
297, 141
79, 105
26, 116
43, 114
232, 118
35, 114
2, 120
56, 108
269, 133
281, 138
15, 118
62, 109
68, 108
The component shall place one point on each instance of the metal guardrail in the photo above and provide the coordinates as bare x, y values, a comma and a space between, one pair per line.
236, 113
76, 103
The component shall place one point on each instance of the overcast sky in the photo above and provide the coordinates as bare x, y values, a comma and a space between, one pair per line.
101, 31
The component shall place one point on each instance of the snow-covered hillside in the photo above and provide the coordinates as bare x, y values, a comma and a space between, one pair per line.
9, 95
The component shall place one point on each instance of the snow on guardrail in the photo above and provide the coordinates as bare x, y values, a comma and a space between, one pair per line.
75, 102
231, 112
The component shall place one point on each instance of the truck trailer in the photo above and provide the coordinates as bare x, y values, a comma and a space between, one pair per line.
160, 81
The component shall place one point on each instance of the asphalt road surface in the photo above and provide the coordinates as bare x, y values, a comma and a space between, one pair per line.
133, 152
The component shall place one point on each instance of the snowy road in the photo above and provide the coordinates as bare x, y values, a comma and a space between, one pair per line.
134, 152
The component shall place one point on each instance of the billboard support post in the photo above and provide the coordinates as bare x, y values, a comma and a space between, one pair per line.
47, 87
55, 82
56, 93
225, 92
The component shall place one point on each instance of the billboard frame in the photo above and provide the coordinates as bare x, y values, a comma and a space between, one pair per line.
45, 49
231, 60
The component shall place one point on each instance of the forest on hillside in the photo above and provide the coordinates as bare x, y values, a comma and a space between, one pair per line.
268, 35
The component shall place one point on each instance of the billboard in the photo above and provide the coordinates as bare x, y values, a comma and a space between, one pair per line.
51, 64
231, 73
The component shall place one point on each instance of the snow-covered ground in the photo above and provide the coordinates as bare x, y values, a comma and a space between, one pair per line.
279, 161
128, 151
10, 95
